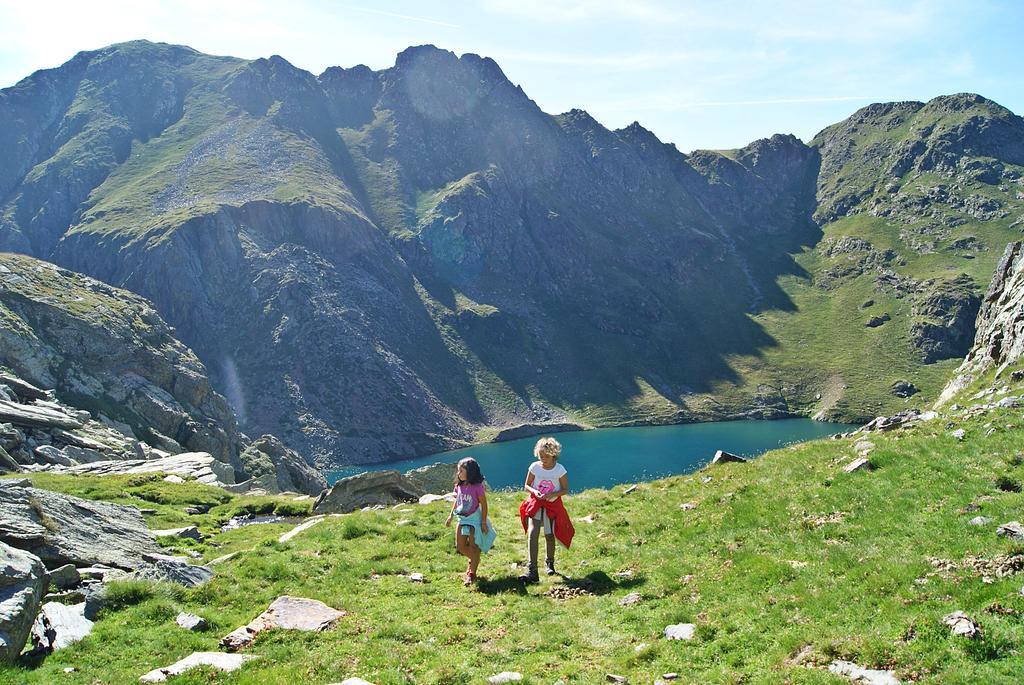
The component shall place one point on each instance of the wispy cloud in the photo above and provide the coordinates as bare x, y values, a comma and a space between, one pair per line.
408, 17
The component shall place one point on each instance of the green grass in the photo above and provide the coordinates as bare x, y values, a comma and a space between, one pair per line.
780, 553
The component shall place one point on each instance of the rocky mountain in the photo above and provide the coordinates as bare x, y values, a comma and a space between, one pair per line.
379, 264
1000, 327
90, 374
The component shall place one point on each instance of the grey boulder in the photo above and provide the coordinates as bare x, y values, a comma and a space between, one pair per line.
22, 584
366, 489
60, 529
58, 626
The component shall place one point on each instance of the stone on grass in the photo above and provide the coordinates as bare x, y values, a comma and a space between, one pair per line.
354, 681
60, 529
863, 447
959, 434
630, 489
961, 624
171, 570
370, 488
863, 676
1013, 530
305, 525
22, 584
218, 660
416, 577
722, 457
65, 576
505, 677
58, 626
173, 479
631, 598
430, 499
859, 464
980, 521
191, 622
613, 678
188, 532
681, 631
287, 613
589, 518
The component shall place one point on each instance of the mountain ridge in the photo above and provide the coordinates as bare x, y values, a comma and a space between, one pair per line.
398, 261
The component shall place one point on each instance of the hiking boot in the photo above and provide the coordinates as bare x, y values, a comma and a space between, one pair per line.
549, 567
530, 576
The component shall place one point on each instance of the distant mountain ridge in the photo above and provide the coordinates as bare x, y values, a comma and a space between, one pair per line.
379, 264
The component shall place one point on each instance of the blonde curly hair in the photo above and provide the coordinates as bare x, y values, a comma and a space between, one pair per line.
548, 446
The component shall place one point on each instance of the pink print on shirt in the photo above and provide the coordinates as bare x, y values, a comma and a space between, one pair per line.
545, 487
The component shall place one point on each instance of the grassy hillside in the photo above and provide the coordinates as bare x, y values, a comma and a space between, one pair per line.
780, 557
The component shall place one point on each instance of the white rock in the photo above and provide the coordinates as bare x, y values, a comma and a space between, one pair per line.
430, 499
680, 631
979, 521
305, 525
505, 677
631, 598
863, 676
190, 621
416, 577
959, 434
859, 464
174, 479
354, 681
219, 660
961, 624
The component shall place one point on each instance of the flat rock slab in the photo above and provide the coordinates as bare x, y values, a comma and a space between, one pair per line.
59, 626
287, 613
505, 677
172, 570
190, 532
354, 681
860, 464
305, 525
218, 660
201, 466
863, 676
60, 529
681, 631
22, 584
33, 416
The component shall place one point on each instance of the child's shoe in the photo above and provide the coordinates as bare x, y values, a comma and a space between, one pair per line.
530, 576
549, 567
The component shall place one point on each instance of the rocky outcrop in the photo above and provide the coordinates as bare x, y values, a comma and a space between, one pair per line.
60, 529
22, 585
366, 489
436, 479
943, 319
109, 353
531, 429
268, 456
199, 466
999, 340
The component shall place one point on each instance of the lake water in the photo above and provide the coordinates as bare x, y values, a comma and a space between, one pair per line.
609, 456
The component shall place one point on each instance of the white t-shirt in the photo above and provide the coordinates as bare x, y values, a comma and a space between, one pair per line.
545, 480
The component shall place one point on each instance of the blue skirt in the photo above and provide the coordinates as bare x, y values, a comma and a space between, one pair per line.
483, 540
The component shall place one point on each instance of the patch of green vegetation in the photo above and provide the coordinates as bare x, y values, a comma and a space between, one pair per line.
772, 557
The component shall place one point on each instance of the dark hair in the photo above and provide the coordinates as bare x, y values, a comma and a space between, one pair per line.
473, 475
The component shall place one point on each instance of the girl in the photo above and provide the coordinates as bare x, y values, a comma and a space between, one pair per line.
473, 534
547, 482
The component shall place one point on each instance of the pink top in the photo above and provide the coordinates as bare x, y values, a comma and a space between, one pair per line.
467, 498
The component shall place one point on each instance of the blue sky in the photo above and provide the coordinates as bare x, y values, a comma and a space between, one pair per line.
698, 74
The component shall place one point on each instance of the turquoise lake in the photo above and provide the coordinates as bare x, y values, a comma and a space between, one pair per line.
609, 456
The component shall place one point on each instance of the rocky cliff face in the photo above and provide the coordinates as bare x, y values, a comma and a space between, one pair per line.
118, 385
108, 352
1000, 325
379, 264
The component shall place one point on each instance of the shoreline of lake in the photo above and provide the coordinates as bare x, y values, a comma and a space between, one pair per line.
605, 457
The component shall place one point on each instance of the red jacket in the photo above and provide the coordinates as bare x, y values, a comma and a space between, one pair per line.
561, 525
